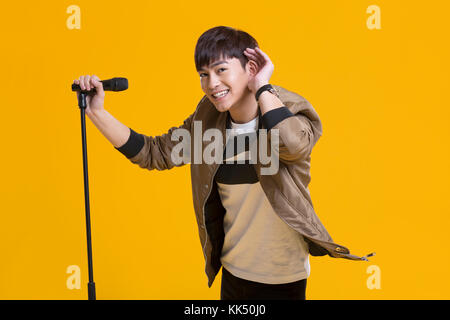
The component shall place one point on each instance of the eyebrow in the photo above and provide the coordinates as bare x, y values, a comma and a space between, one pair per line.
214, 64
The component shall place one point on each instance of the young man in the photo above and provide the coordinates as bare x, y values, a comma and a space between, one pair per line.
258, 224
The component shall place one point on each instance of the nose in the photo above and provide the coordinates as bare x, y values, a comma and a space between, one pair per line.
213, 82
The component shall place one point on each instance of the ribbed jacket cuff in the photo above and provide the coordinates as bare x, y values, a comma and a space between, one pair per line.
271, 118
134, 144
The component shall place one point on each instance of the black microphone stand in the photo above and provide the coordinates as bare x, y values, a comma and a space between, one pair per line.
82, 104
114, 84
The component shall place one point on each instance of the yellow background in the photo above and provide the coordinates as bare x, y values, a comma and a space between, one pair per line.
380, 172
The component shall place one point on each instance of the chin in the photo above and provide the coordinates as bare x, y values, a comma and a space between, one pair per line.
222, 108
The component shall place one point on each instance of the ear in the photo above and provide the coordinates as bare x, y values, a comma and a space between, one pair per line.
252, 68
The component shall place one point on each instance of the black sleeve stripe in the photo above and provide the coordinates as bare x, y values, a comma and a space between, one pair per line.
271, 118
134, 144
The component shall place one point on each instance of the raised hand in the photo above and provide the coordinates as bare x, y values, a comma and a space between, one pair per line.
265, 68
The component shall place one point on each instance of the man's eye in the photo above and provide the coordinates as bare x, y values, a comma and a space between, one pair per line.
201, 74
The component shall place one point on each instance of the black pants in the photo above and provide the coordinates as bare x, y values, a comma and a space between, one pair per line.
234, 288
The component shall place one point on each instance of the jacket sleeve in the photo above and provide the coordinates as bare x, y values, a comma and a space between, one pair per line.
154, 152
296, 137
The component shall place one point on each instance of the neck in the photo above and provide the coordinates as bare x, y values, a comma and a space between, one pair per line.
245, 110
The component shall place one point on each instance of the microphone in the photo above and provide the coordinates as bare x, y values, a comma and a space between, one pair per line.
114, 84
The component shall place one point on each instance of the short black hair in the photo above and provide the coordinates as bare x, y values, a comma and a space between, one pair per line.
222, 41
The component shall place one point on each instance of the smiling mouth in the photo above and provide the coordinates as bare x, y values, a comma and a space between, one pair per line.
223, 94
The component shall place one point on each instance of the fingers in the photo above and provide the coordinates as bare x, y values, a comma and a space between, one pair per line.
264, 56
249, 54
95, 81
251, 57
88, 82
95, 78
255, 55
81, 83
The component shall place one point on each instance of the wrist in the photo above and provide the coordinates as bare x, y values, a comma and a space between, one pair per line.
258, 86
267, 87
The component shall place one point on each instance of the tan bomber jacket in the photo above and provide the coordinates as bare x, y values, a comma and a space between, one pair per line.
287, 191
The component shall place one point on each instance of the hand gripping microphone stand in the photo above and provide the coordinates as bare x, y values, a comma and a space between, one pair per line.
115, 84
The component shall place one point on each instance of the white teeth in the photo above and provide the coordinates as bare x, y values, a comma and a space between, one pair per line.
220, 94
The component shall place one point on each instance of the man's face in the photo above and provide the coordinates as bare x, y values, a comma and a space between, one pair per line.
225, 75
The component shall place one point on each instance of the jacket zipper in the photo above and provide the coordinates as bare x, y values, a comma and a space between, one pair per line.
204, 223
224, 129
